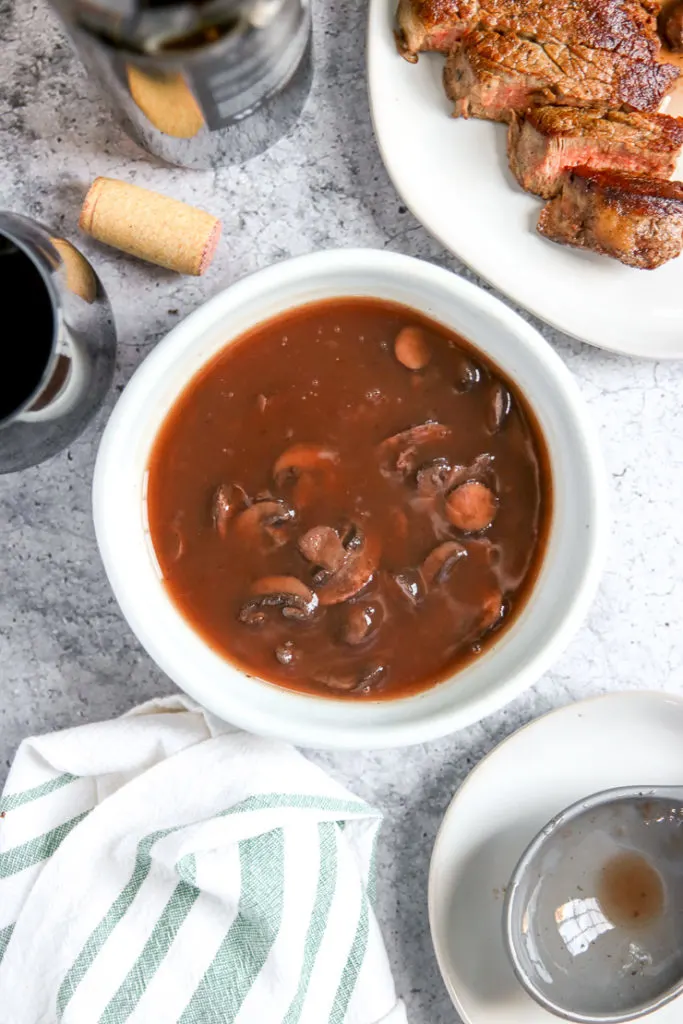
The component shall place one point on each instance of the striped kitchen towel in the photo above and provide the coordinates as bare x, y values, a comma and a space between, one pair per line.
165, 868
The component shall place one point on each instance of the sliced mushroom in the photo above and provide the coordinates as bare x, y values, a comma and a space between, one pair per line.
178, 536
287, 653
400, 454
362, 621
352, 536
344, 681
287, 593
410, 584
433, 477
371, 678
492, 611
439, 563
303, 458
322, 546
355, 572
411, 348
481, 469
228, 500
471, 506
500, 405
264, 522
363, 681
467, 374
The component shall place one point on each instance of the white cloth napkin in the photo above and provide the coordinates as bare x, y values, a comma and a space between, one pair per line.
165, 868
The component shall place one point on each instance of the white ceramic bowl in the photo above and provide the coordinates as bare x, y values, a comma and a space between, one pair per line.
575, 548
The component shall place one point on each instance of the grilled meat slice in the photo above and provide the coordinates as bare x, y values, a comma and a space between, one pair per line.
633, 219
547, 141
493, 76
627, 27
672, 25
432, 24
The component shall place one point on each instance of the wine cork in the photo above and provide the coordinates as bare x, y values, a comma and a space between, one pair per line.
166, 101
150, 226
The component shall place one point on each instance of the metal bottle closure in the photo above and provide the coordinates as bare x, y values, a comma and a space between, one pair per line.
197, 83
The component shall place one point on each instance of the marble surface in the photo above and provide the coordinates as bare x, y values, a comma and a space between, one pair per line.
67, 656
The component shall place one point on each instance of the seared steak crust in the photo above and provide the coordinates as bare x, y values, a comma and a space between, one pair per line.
627, 27
672, 25
431, 24
491, 75
633, 219
547, 141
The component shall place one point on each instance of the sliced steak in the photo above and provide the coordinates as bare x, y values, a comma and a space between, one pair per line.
493, 76
672, 25
627, 27
547, 141
432, 24
633, 219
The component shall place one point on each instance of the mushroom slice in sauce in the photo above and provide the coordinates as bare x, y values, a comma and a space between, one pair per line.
471, 506
411, 348
322, 546
433, 477
400, 454
264, 522
303, 458
287, 593
228, 500
467, 374
287, 653
492, 611
178, 536
361, 622
371, 678
363, 681
500, 406
355, 572
438, 564
481, 469
410, 584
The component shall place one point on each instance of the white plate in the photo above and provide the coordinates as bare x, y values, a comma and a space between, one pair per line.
619, 740
453, 176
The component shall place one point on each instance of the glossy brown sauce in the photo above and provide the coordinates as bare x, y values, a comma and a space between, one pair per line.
405, 503
630, 891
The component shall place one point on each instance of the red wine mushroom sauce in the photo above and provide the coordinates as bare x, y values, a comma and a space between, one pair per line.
350, 501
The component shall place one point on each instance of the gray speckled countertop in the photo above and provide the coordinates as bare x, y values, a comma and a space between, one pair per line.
66, 654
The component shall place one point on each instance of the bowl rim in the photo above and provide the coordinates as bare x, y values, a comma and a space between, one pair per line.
289, 273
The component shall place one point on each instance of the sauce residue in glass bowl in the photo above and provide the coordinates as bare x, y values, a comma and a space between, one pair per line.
630, 890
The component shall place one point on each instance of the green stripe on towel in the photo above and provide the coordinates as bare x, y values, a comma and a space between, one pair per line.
298, 802
372, 872
352, 969
133, 987
10, 803
18, 858
99, 936
263, 867
5, 936
245, 949
327, 880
